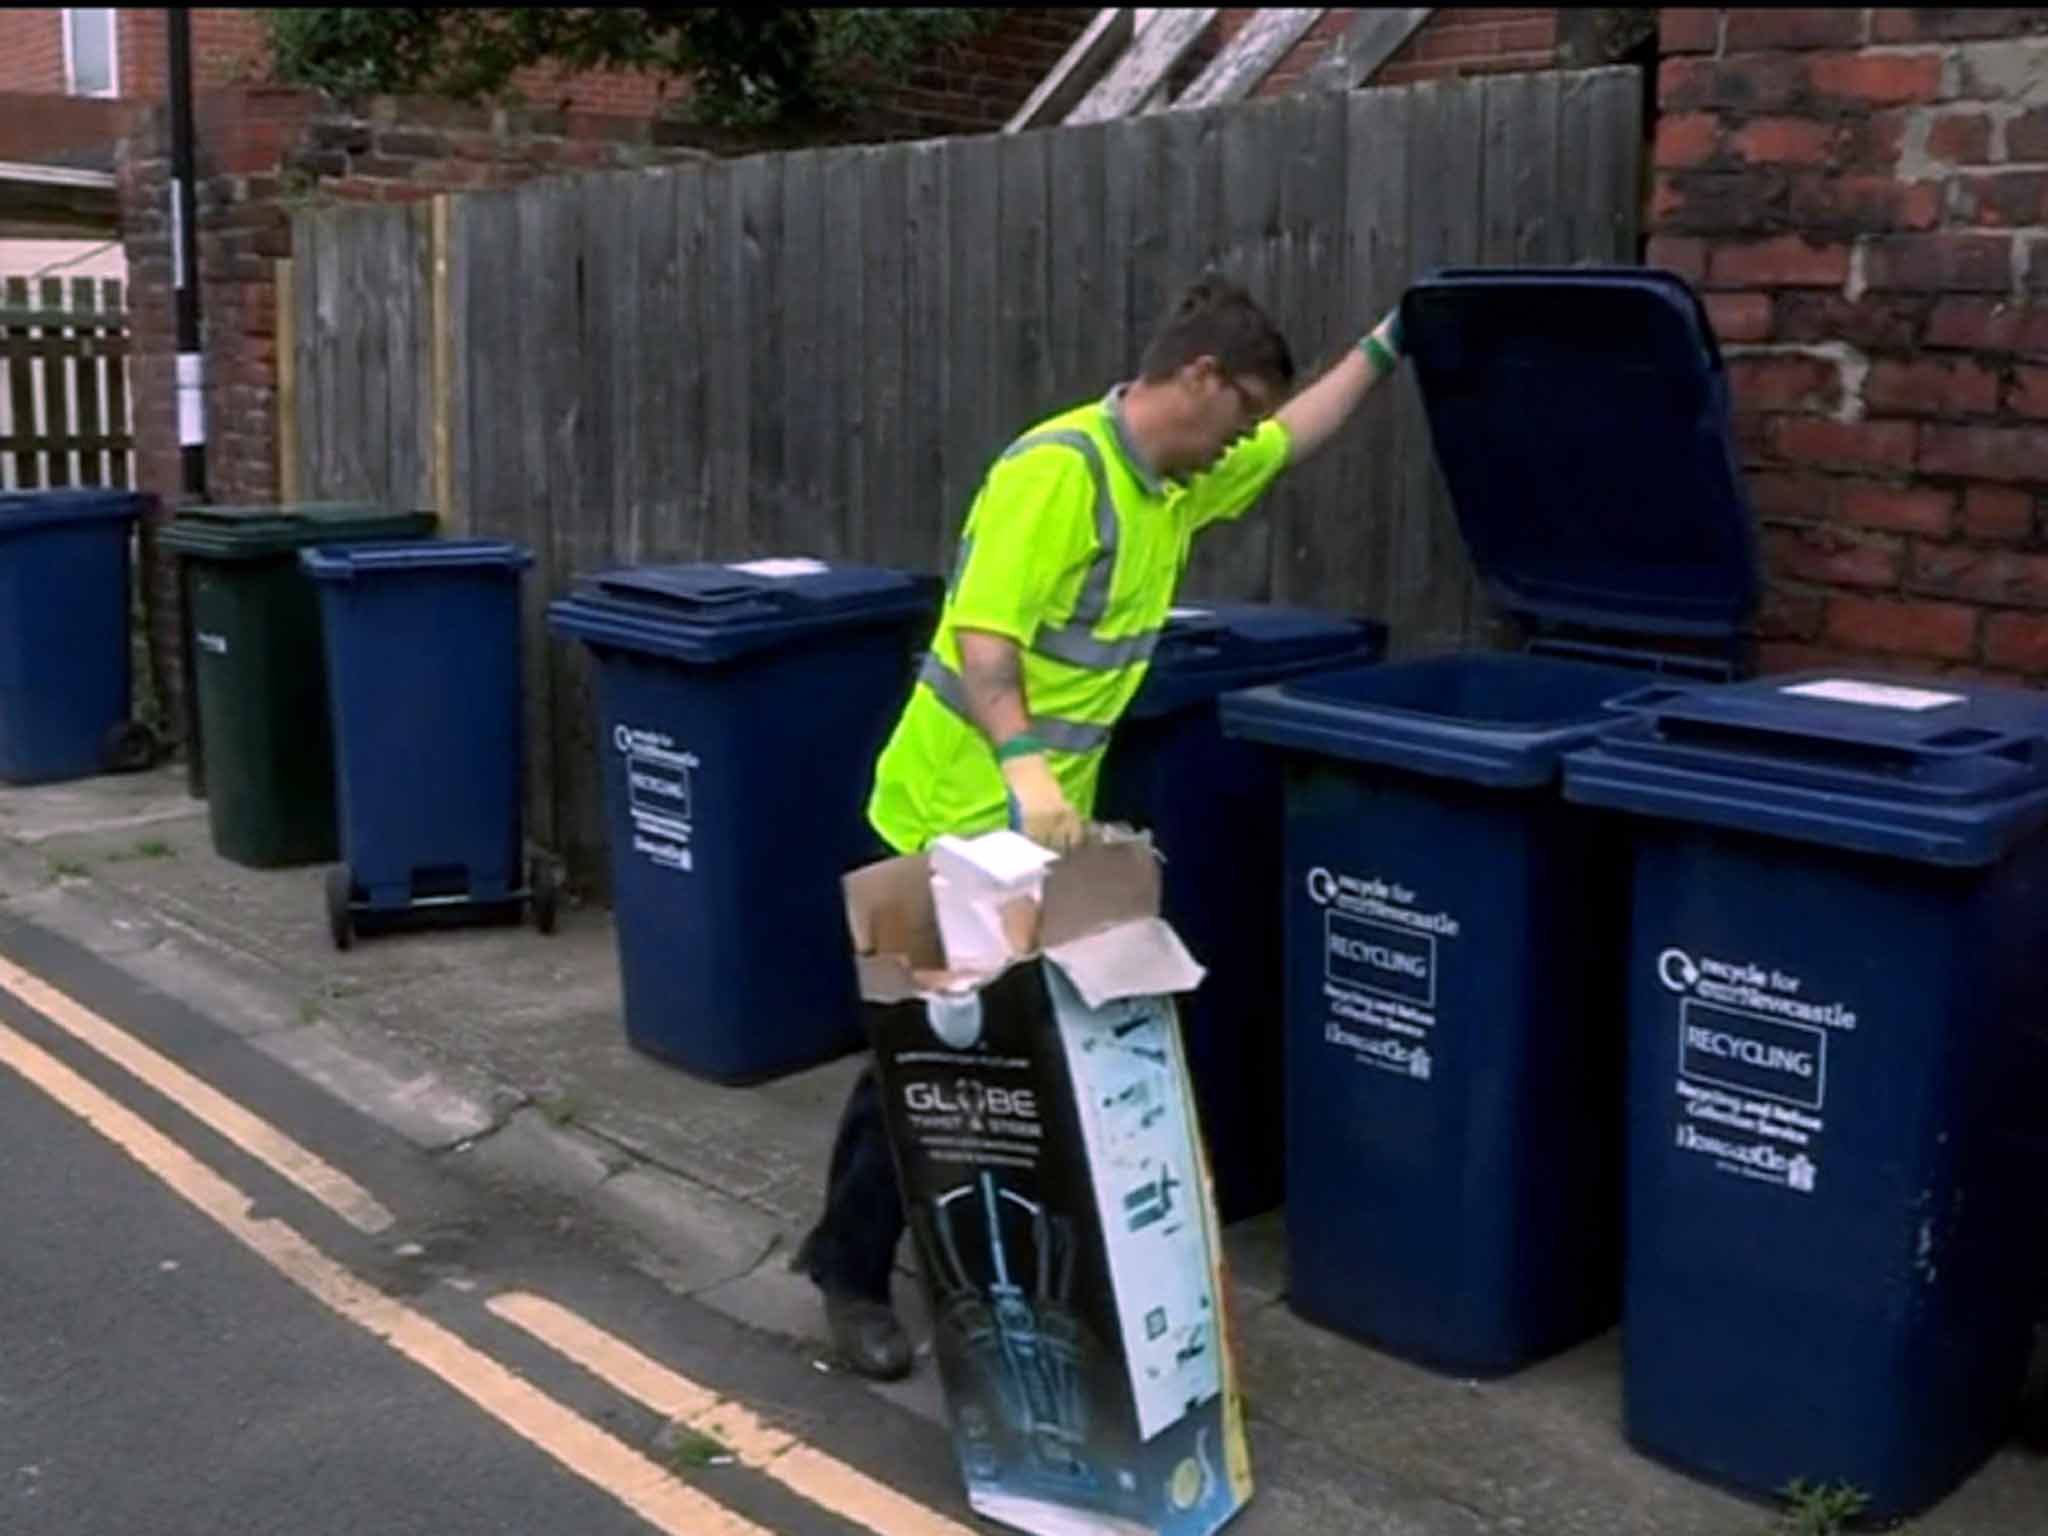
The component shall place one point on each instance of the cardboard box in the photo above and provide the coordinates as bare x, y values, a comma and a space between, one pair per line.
1044, 1128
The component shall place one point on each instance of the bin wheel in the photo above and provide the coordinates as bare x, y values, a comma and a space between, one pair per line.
130, 747
546, 889
341, 925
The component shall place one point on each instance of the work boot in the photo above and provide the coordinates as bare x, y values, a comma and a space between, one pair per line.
869, 1340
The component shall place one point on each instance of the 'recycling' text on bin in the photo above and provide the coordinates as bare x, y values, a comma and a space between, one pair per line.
1752, 1054
1378, 958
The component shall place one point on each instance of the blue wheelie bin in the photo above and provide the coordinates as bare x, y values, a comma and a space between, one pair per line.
66, 670
423, 671
1454, 929
1838, 1067
742, 709
1214, 807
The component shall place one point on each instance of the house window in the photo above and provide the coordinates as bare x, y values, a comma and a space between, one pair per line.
90, 63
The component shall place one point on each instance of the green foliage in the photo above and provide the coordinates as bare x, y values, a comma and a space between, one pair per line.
751, 67
1820, 1511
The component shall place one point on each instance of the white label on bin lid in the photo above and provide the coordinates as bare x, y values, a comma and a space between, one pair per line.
781, 570
1843, 690
1187, 613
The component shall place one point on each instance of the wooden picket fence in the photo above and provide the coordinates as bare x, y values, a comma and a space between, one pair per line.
64, 417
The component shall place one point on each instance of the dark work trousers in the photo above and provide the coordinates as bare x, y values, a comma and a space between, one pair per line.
853, 1247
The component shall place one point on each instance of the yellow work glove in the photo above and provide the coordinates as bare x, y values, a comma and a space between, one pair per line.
1037, 803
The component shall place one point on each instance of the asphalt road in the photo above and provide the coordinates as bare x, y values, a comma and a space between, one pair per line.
190, 1341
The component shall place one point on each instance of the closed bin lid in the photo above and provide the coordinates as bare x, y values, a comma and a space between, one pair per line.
261, 532
1932, 773
23, 510
1210, 650
712, 613
349, 562
1581, 421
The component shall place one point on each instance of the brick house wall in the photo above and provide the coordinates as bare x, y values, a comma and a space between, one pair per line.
1449, 44
31, 51
1863, 197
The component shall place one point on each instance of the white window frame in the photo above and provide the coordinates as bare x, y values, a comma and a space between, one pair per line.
113, 55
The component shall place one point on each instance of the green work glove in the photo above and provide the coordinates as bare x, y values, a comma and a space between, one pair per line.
1042, 811
1382, 345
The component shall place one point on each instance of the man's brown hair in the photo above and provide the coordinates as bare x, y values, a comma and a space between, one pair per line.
1216, 318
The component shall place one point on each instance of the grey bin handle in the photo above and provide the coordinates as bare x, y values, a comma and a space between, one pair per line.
1708, 743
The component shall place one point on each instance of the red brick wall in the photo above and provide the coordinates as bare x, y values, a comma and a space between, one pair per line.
1863, 196
978, 84
1450, 43
31, 50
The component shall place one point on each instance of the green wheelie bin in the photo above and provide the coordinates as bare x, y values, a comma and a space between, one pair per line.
257, 728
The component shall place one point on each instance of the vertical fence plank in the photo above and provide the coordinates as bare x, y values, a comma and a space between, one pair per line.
618, 320
1023, 383
760, 194
886, 522
928, 283
729, 396
120, 428
1618, 134
51, 345
1530, 105
1122, 193
845, 392
1358, 540
656, 526
399, 319
287, 300
694, 439
87, 425
1447, 188
973, 435
806, 407
1316, 311
1077, 293
448, 292
21, 395
545, 239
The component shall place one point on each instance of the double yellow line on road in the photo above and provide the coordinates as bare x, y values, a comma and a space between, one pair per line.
643, 1486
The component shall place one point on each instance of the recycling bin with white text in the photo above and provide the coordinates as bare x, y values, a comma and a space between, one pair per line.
1455, 930
740, 712
1838, 1066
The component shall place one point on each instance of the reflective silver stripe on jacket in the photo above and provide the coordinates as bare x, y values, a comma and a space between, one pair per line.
1075, 642
1075, 736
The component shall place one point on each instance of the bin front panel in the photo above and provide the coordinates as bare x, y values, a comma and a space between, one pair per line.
263, 709
1454, 1065
1835, 1161
64, 628
427, 704
736, 797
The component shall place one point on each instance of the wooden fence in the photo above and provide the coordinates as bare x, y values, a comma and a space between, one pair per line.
820, 352
64, 400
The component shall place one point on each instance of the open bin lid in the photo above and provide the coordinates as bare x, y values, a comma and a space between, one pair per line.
1581, 421
261, 532
348, 562
23, 510
713, 613
1211, 649
1926, 772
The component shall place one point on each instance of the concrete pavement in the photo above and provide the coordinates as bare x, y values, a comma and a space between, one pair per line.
501, 1046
